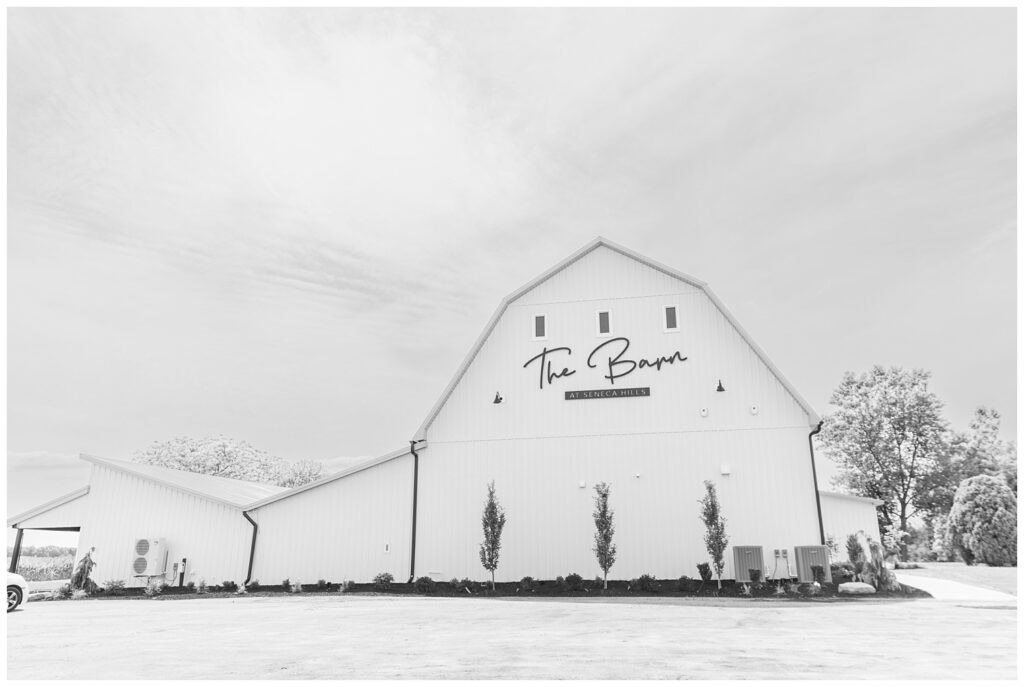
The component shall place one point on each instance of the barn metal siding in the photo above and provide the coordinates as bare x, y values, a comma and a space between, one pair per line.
70, 514
124, 507
713, 348
537, 446
767, 500
844, 515
338, 531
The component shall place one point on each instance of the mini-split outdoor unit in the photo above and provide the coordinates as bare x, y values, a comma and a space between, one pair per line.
150, 557
745, 559
806, 556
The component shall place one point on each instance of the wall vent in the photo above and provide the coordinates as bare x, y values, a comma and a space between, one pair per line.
806, 556
745, 559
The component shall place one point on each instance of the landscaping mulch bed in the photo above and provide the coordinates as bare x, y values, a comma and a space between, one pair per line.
546, 588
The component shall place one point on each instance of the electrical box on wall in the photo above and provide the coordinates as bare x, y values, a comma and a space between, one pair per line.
745, 559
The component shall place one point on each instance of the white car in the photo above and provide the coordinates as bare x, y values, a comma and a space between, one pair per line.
17, 590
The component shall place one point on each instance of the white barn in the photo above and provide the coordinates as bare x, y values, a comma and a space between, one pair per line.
608, 367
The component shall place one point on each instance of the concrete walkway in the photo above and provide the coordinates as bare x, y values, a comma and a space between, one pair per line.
947, 590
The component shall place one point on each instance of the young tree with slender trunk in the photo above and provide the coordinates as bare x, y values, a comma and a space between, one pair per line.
604, 521
715, 538
493, 523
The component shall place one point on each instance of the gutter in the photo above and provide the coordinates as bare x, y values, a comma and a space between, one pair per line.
814, 474
252, 548
415, 490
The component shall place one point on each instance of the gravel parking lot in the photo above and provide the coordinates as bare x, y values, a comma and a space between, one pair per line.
356, 636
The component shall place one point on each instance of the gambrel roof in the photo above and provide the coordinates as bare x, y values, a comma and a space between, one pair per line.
421, 433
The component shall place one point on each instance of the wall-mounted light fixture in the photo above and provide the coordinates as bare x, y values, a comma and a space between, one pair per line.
754, 410
703, 412
583, 484
720, 387
497, 397
726, 470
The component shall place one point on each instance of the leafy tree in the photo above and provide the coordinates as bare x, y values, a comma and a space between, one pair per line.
604, 522
715, 538
891, 443
225, 457
493, 521
984, 515
984, 452
300, 472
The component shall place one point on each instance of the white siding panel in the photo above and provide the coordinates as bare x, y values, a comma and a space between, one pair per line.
123, 508
713, 348
768, 500
845, 516
70, 514
338, 531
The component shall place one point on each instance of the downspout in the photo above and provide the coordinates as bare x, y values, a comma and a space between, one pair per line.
814, 473
415, 490
252, 548
16, 553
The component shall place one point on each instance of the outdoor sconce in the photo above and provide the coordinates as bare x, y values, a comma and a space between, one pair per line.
720, 387
754, 410
497, 397
583, 484
726, 470
703, 412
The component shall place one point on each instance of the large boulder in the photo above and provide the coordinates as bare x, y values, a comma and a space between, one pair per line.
856, 588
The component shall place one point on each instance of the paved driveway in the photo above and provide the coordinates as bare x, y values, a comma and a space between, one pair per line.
356, 636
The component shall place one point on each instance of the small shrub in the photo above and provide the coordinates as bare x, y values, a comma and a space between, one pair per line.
454, 583
153, 590
685, 584
560, 582
705, 571
818, 573
573, 582
202, 588
323, 585
297, 586
526, 584
114, 587
253, 586
229, 586
647, 583
745, 589
755, 577
190, 587
79, 594
286, 585
382, 582
164, 587
425, 585
469, 585
347, 585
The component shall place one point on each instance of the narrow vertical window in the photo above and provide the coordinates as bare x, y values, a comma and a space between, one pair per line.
539, 327
671, 323
604, 323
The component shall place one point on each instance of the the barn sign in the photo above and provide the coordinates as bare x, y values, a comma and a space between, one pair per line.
607, 393
614, 349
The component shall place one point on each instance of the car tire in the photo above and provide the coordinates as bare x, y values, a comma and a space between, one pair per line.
13, 598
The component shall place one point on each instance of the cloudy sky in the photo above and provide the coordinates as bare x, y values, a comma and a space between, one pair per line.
290, 226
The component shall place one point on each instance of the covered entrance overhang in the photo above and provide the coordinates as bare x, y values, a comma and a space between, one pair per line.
62, 514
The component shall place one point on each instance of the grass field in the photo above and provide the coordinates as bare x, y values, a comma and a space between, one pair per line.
1000, 579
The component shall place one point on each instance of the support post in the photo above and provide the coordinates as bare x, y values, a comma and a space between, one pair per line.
16, 553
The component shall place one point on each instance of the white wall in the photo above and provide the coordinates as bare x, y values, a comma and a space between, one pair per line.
537, 446
124, 507
768, 500
844, 515
338, 531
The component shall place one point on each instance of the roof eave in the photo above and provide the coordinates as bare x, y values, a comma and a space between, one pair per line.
48, 506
